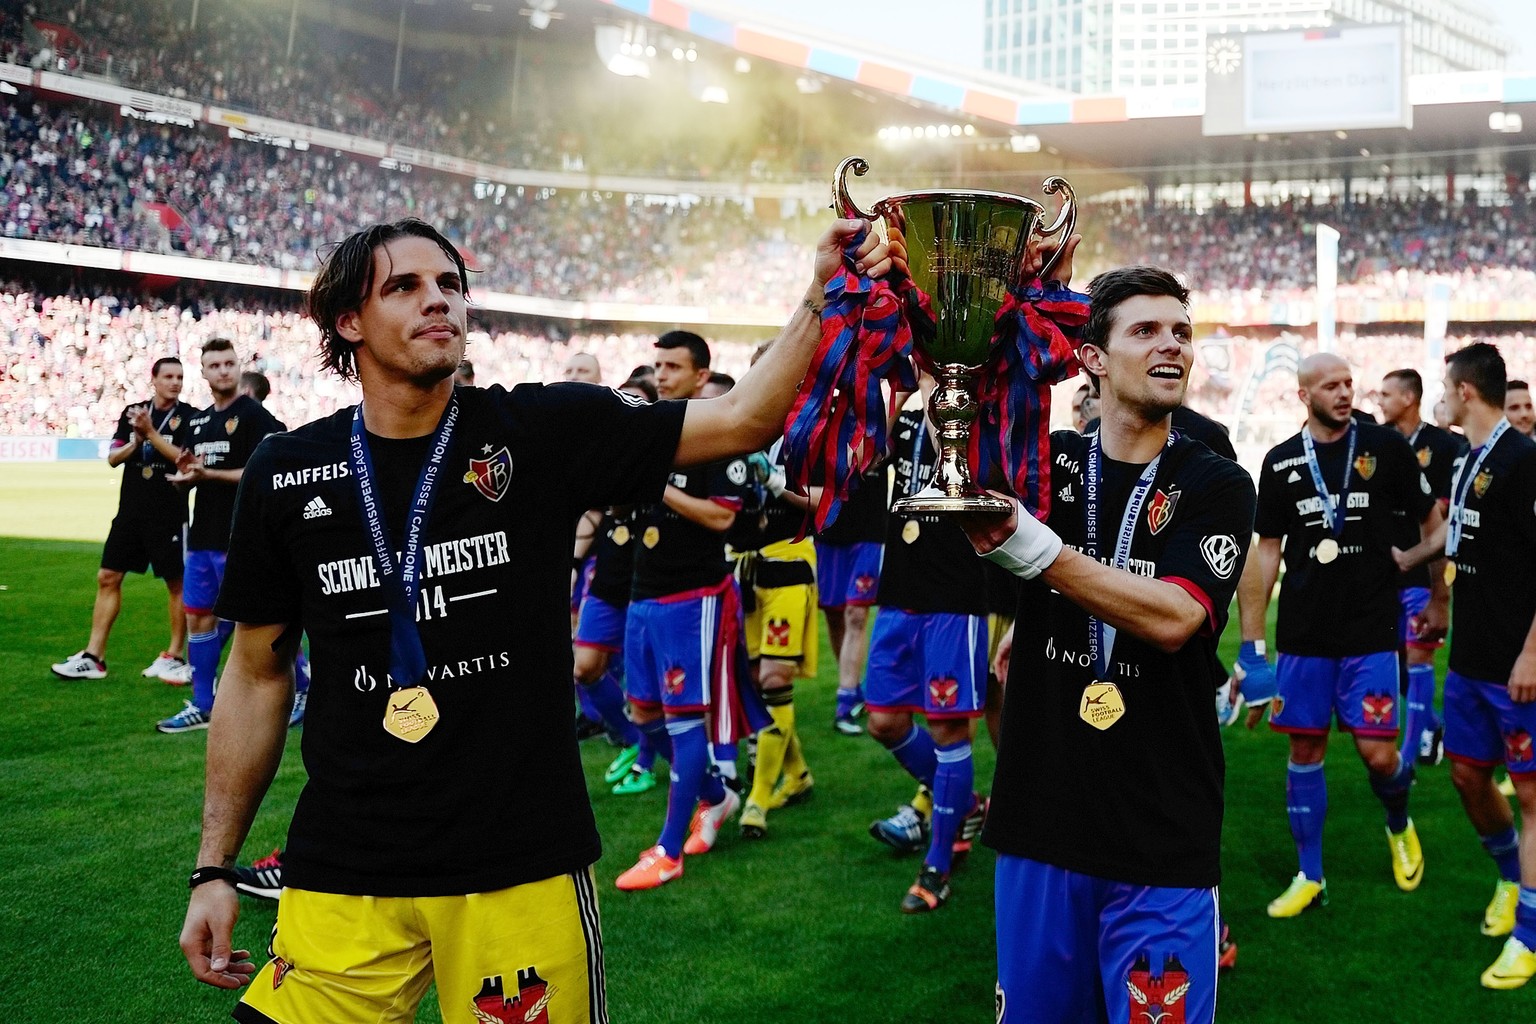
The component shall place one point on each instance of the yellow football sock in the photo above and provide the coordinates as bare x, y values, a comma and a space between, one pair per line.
772, 745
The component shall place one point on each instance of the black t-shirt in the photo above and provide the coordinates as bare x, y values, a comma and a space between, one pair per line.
494, 795
613, 557
1141, 801
929, 563
677, 555
1349, 606
1194, 425
224, 439
862, 518
145, 493
1437, 451
1493, 599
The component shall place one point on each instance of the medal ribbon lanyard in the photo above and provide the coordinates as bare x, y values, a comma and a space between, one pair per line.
915, 481
147, 450
1462, 486
1334, 516
1101, 635
407, 658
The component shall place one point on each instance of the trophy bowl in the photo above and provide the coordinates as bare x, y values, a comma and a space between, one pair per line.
967, 251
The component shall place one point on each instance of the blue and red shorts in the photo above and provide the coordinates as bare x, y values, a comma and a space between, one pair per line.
1414, 600
847, 573
201, 579
600, 625
1361, 691
934, 663
1484, 727
1072, 948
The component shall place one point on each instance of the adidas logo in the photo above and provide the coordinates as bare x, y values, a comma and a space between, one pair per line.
1295, 476
1065, 494
316, 508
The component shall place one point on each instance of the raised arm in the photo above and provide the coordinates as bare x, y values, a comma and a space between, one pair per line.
245, 744
752, 414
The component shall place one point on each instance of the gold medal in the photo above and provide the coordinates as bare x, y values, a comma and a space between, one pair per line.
147, 472
910, 531
410, 714
621, 535
650, 537
1450, 572
1102, 704
1327, 550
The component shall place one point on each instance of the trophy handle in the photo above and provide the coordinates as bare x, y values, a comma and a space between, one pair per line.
842, 202
1066, 221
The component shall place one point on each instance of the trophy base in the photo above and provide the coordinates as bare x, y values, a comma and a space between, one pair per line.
931, 500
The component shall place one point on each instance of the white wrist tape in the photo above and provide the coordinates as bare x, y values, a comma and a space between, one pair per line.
1031, 549
777, 482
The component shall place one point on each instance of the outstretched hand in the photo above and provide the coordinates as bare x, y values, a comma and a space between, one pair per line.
206, 938
875, 256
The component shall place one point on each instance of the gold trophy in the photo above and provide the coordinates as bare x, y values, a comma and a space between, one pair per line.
966, 251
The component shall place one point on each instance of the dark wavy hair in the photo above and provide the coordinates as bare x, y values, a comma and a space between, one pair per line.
1482, 366
346, 279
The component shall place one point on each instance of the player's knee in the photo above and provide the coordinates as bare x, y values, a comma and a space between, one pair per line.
856, 617
888, 729
109, 579
1470, 779
774, 674
589, 664
950, 730
1308, 749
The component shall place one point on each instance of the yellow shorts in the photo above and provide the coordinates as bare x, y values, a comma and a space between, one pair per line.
783, 624
998, 623
530, 954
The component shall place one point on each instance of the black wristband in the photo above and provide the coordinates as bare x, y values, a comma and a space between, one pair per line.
212, 874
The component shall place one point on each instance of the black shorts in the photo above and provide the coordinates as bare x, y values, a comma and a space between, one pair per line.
134, 545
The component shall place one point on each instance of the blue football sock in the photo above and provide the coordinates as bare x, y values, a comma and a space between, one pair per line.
1392, 791
1504, 848
690, 767
915, 751
1420, 703
606, 698
846, 699
203, 653
226, 630
724, 756
1525, 917
952, 782
301, 672
654, 741
1306, 802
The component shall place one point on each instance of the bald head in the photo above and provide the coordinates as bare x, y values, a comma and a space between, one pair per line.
1326, 387
582, 366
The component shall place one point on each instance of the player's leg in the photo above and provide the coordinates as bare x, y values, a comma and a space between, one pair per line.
338, 958
1303, 709
548, 968
1474, 743
123, 553
597, 653
104, 612
1421, 735
642, 685
1047, 945
1158, 953
863, 577
1368, 707
1516, 963
168, 562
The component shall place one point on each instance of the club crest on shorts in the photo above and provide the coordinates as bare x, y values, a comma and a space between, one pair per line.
1424, 454
1377, 708
673, 679
1160, 509
778, 633
1157, 998
1365, 465
864, 584
491, 475
944, 691
1517, 746
280, 969
1481, 481
528, 1005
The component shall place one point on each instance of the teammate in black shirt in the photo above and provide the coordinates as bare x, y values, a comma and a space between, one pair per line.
1436, 451
1336, 495
848, 557
1107, 801
148, 529
1489, 543
1518, 409
220, 442
439, 746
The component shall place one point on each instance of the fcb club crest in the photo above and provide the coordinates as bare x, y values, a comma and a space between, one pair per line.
1160, 509
1517, 746
673, 679
943, 691
1424, 454
1377, 708
231, 425
1365, 465
1481, 481
528, 1005
175, 423
864, 585
491, 475
1157, 998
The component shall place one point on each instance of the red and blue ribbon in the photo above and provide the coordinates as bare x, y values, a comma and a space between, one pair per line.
1038, 331
836, 428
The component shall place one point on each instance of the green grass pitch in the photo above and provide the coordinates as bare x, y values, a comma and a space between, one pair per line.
99, 825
